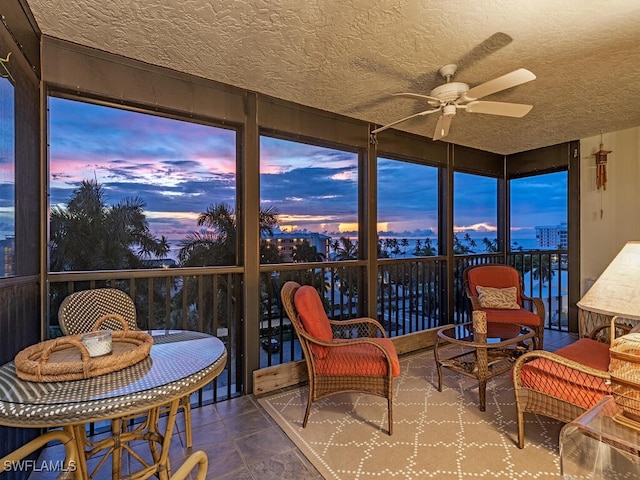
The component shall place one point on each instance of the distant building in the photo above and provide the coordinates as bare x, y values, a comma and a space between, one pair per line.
8, 249
552, 237
286, 243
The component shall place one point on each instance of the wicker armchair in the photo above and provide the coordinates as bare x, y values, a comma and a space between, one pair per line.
79, 312
565, 384
341, 356
528, 311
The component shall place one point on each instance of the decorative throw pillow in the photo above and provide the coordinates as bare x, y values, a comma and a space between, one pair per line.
501, 298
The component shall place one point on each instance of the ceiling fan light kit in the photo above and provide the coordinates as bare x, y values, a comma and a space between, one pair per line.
450, 96
448, 110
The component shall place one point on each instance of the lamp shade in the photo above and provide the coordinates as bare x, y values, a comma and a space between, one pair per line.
617, 290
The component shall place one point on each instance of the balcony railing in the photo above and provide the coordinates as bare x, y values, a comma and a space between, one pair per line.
411, 297
206, 300
411, 294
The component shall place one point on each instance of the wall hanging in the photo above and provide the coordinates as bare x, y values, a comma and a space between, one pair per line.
601, 166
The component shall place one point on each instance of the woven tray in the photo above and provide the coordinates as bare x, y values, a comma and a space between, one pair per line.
66, 358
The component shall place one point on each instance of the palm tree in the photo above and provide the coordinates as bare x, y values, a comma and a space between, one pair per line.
515, 246
460, 248
346, 249
305, 252
404, 243
541, 268
470, 241
425, 251
490, 245
216, 243
382, 251
335, 245
269, 253
88, 234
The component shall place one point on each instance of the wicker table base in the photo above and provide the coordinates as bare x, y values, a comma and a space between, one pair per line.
481, 356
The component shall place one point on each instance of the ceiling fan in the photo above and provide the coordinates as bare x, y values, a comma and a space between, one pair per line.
451, 96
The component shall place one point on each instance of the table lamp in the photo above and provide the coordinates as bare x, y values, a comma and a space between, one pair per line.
615, 293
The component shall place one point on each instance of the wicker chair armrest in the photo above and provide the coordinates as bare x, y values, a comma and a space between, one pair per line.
534, 354
342, 343
615, 329
535, 305
363, 341
357, 328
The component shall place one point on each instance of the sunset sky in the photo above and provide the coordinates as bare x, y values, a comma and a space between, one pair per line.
181, 168
7, 162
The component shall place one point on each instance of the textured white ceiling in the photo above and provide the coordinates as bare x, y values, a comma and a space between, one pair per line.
349, 56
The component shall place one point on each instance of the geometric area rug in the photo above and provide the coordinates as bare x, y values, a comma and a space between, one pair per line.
436, 435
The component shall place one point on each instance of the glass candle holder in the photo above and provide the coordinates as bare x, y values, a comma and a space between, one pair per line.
479, 321
98, 343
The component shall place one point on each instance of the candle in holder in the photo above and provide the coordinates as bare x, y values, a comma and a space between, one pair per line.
98, 343
479, 321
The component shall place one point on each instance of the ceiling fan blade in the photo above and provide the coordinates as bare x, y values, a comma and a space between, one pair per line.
417, 96
442, 127
481, 51
517, 77
419, 114
499, 108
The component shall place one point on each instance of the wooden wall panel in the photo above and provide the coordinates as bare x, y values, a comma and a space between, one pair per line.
20, 297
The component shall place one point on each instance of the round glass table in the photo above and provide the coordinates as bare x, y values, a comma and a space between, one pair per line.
480, 355
179, 363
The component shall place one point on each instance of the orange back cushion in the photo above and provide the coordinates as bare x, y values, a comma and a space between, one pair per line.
496, 276
313, 317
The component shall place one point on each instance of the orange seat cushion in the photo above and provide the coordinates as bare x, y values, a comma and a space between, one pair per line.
313, 317
522, 316
562, 382
363, 359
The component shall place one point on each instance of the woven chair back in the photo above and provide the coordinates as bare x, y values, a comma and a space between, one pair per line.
287, 293
80, 311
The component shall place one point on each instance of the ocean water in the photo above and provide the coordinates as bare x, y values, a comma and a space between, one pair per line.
524, 243
408, 251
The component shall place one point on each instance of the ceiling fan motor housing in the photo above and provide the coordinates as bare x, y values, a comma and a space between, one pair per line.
448, 92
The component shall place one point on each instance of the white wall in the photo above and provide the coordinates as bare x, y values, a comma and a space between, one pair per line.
609, 218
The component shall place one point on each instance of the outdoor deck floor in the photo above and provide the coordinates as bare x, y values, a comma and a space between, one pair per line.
243, 442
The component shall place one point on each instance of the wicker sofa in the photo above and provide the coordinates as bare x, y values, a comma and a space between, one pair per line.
564, 384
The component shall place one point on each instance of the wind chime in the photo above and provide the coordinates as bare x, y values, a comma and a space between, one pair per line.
601, 166
601, 170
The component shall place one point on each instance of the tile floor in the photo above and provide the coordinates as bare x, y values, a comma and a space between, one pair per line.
243, 442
